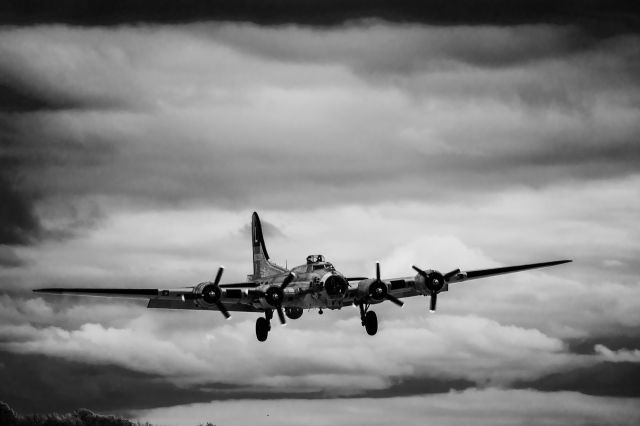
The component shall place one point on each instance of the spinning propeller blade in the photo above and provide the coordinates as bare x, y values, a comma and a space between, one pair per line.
281, 316
432, 305
219, 304
433, 284
393, 299
218, 276
389, 297
420, 271
288, 280
223, 309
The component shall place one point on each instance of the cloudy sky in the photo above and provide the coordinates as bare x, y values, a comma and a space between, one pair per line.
137, 137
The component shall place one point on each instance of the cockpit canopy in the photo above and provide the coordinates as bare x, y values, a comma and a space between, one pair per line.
314, 258
315, 262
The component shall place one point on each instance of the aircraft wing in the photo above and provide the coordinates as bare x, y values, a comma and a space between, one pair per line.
458, 276
234, 306
181, 298
130, 293
433, 282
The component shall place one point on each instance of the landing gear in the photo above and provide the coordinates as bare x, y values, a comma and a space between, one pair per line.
369, 320
262, 329
371, 323
263, 325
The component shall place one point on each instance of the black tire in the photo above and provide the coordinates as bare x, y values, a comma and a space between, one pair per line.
262, 329
371, 323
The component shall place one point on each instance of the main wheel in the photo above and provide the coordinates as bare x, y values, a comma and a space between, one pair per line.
371, 323
262, 329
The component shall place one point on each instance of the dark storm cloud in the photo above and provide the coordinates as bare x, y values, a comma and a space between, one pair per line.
420, 386
408, 49
37, 384
343, 114
23, 90
586, 345
40, 384
15, 99
18, 221
17, 96
8, 258
26, 152
473, 406
597, 15
603, 379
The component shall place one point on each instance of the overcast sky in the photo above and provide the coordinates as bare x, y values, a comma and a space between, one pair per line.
136, 141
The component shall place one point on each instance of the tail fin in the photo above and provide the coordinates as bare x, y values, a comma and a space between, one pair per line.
261, 265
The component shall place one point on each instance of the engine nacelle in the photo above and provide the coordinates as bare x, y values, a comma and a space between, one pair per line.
274, 296
335, 285
434, 283
293, 312
207, 293
372, 291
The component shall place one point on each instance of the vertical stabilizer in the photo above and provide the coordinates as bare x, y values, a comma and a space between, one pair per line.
261, 265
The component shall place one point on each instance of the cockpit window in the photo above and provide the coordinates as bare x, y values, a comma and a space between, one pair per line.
315, 258
323, 265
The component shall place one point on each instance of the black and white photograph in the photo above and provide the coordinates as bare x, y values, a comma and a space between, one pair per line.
306, 212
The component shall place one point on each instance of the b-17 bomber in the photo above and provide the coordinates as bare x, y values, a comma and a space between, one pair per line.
289, 292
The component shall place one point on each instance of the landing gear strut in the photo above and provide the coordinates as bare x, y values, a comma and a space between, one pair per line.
263, 325
369, 319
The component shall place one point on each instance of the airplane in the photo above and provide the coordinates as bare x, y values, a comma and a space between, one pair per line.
313, 285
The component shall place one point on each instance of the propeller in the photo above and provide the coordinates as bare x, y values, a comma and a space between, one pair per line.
287, 280
275, 296
211, 293
435, 281
378, 289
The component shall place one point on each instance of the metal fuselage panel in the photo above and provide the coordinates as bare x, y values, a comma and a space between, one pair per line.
307, 290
